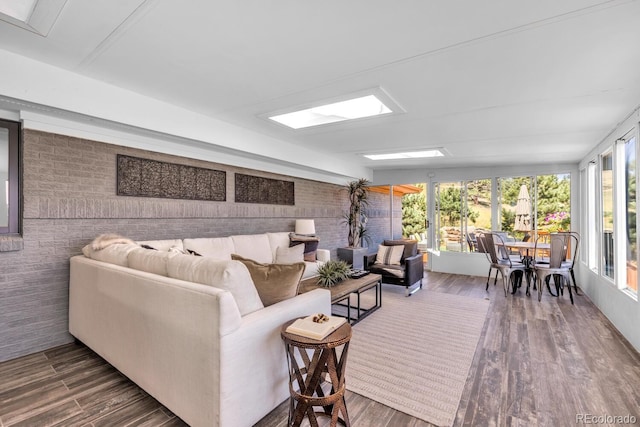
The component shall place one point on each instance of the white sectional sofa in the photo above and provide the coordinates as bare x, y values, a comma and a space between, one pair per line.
189, 330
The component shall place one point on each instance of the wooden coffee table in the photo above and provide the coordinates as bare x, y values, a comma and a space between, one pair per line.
341, 295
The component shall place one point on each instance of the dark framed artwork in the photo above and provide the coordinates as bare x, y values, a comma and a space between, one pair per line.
151, 178
256, 189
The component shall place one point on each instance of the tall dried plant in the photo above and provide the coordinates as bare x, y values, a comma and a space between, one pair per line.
356, 217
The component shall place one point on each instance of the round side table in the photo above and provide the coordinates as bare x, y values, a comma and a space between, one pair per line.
309, 362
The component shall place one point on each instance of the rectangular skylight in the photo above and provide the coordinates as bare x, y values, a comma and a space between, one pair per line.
356, 108
406, 155
20, 10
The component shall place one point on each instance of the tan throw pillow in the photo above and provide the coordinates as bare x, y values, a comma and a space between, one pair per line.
310, 245
274, 282
389, 255
290, 255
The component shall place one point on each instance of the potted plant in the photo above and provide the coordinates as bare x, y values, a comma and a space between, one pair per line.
332, 272
356, 220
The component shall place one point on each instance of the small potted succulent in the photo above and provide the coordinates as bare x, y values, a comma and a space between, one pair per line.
332, 272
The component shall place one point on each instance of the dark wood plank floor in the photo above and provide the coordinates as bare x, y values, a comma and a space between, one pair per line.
537, 364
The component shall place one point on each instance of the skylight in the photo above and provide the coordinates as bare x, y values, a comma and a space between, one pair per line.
19, 10
406, 155
356, 108
32, 15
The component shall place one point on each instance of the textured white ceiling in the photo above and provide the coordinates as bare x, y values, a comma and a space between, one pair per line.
497, 82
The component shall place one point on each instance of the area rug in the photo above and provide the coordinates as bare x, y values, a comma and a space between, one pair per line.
414, 353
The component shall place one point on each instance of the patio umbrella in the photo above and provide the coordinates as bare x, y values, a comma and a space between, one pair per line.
523, 210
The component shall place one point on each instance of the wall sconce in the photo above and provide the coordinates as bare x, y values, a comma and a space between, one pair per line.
305, 227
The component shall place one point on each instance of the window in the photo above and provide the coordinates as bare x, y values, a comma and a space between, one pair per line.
631, 236
592, 225
448, 216
509, 191
524, 205
462, 208
606, 191
9, 177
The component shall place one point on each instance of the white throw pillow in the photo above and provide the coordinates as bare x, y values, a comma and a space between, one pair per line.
162, 245
232, 276
253, 246
112, 254
289, 255
389, 255
219, 248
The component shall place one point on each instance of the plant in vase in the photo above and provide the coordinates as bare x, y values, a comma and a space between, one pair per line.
356, 216
332, 272
356, 220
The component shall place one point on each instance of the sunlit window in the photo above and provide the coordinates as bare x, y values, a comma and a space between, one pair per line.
631, 235
592, 225
606, 189
462, 210
9, 176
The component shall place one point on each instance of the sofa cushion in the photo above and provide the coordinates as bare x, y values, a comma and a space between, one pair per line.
113, 254
390, 255
410, 246
232, 276
310, 245
162, 245
311, 269
276, 240
253, 246
219, 248
388, 270
151, 261
287, 255
274, 282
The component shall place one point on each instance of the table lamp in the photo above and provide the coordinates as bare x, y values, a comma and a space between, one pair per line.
305, 227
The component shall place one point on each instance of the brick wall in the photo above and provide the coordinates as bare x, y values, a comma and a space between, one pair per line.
69, 187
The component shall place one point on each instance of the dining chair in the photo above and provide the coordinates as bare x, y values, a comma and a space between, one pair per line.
482, 248
504, 251
501, 261
572, 244
554, 268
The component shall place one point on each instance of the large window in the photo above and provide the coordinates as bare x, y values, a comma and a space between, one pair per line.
592, 225
606, 191
631, 236
462, 209
9, 177
539, 203
611, 221
510, 190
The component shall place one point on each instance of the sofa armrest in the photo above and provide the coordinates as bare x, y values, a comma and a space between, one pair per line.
414, 269
323, 255
253, 358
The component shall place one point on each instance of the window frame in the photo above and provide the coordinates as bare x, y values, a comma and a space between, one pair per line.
609, 276
14, 136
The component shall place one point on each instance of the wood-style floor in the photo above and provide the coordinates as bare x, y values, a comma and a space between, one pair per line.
537, 364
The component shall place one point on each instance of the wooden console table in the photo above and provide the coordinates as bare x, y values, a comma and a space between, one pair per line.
341, 295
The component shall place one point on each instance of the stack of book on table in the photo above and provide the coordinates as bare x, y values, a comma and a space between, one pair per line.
312, 327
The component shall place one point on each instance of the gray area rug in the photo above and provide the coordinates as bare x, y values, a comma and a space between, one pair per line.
414, 354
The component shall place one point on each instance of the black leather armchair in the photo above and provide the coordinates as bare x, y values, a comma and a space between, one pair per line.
410, 271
